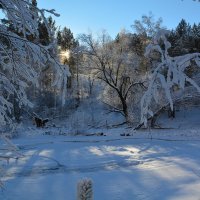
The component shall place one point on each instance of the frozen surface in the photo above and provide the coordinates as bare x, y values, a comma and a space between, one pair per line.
147, 165
120, 167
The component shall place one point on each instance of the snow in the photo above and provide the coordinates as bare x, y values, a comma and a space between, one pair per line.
24, 60
175, 68
50, 163
119, 167
155, 164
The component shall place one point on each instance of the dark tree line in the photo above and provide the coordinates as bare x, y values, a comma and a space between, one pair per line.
185, 38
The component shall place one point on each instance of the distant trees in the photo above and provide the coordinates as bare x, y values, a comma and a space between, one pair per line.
145, 29
184, 39
44, 37
68, 46
70, 55
147, 26
66, 39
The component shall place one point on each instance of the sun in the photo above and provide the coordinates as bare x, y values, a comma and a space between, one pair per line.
65, 54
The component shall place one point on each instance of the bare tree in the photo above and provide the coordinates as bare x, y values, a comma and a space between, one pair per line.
147, 26
115, 65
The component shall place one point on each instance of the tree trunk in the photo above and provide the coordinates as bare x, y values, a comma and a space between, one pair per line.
124, 107
171, 113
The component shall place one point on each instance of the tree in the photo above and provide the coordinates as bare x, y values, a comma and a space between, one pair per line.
114, 65
68, 48
184, 39
44, 37
23, 60
169, 74
182, 28
147, 26
138, 44
66, 39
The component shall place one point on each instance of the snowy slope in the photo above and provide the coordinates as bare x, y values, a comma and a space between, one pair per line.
186, 118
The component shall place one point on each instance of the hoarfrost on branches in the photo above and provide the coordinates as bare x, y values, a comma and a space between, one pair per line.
169, 72
22, 58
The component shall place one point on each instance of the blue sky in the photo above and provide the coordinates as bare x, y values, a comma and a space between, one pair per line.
114, 15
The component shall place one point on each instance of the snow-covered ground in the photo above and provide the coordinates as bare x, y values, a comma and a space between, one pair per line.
149, 165
120, 167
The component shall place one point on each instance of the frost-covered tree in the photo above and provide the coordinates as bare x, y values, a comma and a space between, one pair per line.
169, 73
22, 60
147, 26
116, 66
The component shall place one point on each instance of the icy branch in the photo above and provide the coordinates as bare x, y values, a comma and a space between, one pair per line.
170, 72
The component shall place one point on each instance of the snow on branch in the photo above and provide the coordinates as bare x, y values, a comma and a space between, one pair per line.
170, 72
22, 58
25, 15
